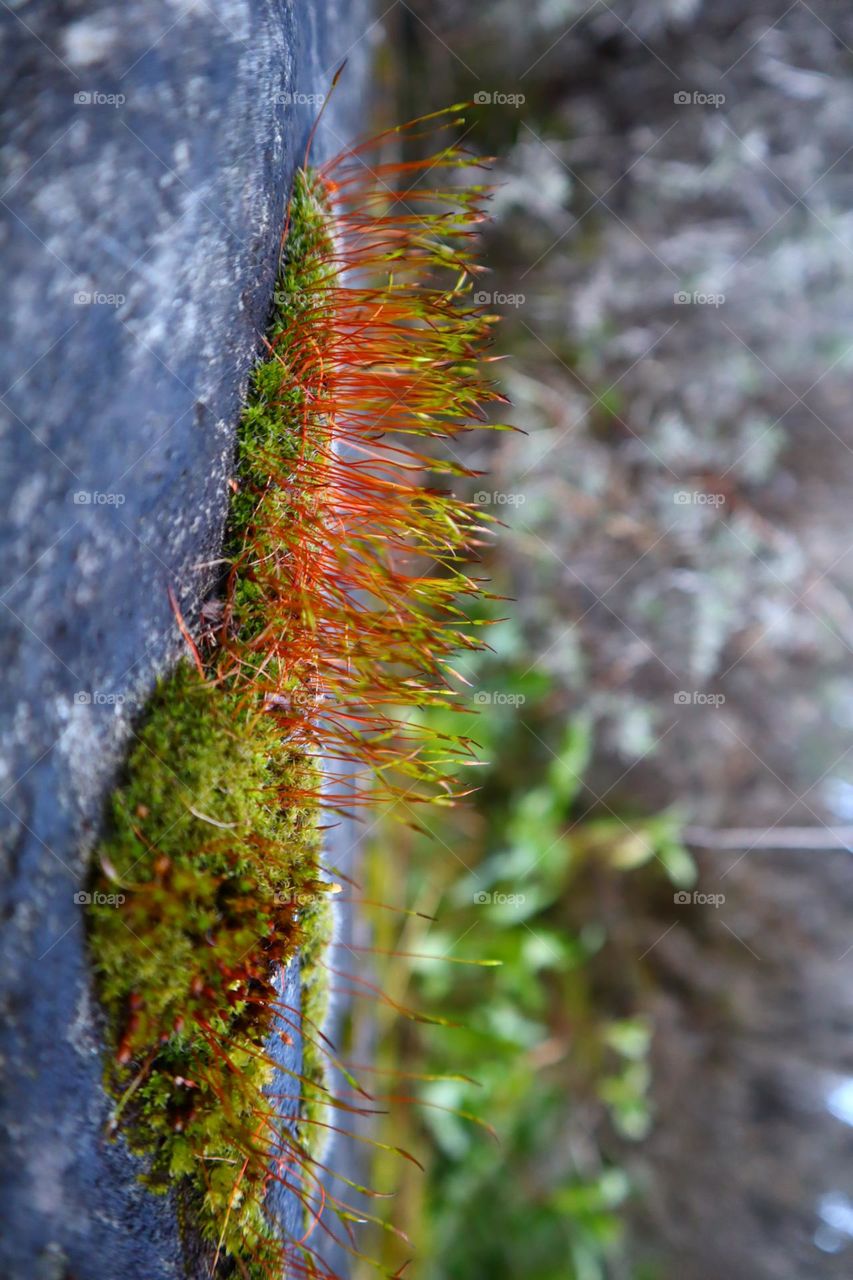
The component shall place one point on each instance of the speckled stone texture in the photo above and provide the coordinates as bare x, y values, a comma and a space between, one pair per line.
147, 148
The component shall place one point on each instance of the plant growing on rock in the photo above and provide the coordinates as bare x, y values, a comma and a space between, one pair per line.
342, 603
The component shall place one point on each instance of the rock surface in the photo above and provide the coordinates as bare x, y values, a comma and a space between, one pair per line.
148, 149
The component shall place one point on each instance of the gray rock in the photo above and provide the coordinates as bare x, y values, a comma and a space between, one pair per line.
148, 149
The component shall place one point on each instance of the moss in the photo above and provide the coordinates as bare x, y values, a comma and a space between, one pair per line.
270, 434
201, 848
186, 961
328, 622
208, 878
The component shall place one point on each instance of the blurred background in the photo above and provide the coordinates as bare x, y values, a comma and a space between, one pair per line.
659, 854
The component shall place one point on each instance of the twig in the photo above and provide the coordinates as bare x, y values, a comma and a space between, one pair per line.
805, 838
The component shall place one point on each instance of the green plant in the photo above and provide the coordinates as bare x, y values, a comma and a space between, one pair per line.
340, 609
539, 1050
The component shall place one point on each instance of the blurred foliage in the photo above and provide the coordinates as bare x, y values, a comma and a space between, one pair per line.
672, 518
671, 525
535, 1053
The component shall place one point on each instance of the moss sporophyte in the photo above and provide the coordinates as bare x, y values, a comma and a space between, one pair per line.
341, 608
